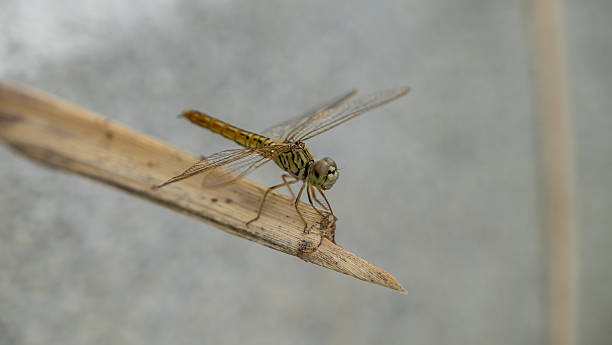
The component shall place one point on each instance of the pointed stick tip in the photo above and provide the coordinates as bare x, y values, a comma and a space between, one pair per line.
335, 257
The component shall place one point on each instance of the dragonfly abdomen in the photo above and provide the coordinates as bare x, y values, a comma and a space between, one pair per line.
240, 136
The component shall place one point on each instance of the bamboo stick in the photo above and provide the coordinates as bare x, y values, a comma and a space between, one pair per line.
66, 137
557, 173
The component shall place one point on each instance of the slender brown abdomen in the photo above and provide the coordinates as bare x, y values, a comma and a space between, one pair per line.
240, 136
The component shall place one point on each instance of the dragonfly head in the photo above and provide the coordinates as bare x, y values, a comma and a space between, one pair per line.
324, 173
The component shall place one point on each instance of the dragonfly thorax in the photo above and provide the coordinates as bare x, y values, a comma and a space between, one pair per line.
324, 173
297, 161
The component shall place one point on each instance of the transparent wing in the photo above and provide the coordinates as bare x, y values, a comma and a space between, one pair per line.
334, 116
280, 131
233, 171
234, 163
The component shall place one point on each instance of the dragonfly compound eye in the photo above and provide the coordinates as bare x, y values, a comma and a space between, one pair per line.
327, 172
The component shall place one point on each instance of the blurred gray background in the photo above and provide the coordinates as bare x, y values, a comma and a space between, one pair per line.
442, 189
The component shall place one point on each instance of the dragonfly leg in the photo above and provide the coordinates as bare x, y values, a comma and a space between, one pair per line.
263, 200
314, 196
326, 201
309, 191
297, 201
284, 177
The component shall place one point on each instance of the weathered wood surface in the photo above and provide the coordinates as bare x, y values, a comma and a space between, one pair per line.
66, 137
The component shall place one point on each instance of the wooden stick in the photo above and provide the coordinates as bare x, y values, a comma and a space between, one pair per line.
69, 138
556, 152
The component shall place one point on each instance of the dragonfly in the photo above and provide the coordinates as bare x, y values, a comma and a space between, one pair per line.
283, 144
